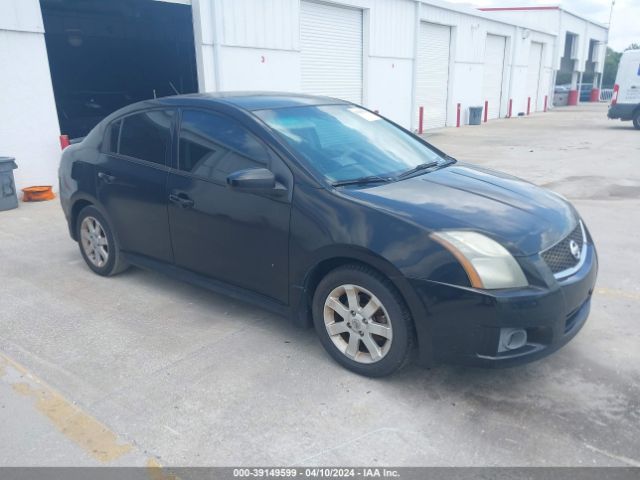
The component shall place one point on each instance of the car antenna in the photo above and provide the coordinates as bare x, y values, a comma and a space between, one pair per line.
174, 88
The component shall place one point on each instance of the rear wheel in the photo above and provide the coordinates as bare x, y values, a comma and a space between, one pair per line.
636, 120
362, 321
97, 243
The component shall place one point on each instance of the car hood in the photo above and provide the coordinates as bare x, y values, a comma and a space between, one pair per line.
524, 218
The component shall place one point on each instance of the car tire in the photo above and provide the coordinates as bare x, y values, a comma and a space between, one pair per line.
97, 243
381, 316
636, 120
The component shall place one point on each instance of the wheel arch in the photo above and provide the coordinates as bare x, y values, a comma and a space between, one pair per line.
76, 208
78, 203
338, 257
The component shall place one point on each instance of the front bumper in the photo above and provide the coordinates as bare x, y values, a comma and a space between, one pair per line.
466, 323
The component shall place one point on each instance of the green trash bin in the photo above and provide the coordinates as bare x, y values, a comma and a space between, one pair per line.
475, 115
8, 197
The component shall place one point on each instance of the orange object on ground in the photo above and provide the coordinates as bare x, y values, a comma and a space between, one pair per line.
37, 194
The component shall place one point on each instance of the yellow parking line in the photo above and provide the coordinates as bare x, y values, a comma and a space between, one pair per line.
156, 471
85, 431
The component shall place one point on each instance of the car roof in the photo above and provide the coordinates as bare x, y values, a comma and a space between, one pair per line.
246, 100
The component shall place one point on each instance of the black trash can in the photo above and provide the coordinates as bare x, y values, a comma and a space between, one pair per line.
475, 115
8, 197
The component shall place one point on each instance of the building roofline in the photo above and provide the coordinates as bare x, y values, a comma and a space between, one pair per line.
477, 13
548, 7
501, 9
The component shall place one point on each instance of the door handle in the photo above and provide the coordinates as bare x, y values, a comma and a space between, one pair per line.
106, 178
181, 199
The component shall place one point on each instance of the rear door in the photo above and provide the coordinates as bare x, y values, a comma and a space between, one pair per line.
238, 237
628, 78
131, 181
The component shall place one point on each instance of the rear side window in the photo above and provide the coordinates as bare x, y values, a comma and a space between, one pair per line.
213, 146
147, 136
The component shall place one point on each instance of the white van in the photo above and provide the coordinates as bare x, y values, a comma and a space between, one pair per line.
625, 103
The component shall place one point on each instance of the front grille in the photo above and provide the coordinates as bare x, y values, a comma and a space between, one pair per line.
559, 257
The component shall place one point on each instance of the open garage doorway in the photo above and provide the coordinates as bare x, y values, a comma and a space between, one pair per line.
104, 55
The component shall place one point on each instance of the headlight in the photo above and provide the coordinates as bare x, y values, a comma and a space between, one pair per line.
487, 263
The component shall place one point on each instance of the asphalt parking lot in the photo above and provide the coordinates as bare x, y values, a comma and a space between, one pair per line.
140, 369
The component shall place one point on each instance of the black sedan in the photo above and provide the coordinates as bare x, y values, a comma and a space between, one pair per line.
323, 211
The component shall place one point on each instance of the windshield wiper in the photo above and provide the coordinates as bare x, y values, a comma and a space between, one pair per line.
361, 181
416, 169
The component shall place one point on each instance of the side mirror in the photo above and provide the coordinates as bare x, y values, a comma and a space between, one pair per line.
252, 179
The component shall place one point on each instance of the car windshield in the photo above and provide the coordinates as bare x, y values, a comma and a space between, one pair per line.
346, 142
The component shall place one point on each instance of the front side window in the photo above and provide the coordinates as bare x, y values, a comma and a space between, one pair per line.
213, 146
147, 136
345, 142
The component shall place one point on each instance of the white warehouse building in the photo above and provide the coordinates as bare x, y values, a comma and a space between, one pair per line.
68, 63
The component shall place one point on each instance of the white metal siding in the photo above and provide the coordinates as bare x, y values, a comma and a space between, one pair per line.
331, 51
533, 74
256, 23
432, 73
493, 73
392, 27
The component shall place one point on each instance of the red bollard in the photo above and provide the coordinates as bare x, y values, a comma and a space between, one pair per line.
528, 105
545, 102
420, 118
64, 141
458, 116
510, 108
486, 110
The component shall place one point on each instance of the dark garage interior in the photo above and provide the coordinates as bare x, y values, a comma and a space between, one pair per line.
105, 54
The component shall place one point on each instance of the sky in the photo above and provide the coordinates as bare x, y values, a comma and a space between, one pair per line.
625, 23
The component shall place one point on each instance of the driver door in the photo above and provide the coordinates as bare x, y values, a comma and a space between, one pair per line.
238, 237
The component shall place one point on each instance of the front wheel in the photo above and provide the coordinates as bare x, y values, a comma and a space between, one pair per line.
636, 120
362, 321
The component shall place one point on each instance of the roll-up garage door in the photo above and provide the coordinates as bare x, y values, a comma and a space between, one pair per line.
432, 74
533, 74
493, 73
331, 51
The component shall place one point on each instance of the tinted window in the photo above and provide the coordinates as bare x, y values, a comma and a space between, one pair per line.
213, 146
147, 136
112, 137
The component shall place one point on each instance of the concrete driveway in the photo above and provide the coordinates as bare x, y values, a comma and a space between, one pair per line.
140, 369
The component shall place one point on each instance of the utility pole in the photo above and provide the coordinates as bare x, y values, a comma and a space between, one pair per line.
606, 43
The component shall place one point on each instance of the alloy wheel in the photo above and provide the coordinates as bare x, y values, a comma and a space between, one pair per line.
357, 323
94, 241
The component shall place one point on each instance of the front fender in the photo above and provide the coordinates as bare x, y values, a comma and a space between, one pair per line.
302, 291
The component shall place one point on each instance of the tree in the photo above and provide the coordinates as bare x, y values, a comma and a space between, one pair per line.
611, 60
